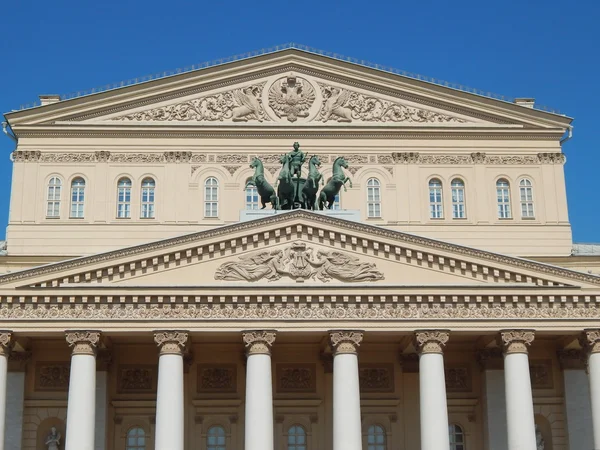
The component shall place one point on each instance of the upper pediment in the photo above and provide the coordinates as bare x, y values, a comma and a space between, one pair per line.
299, 248
286, 88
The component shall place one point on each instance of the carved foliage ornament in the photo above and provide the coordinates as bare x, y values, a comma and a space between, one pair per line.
83, 342
345, 341
52, 376
458, 379
217, 379
591, 341
171, 342
136, 379
298, 263
343, 105
376, 378
296, 378
516, 341
258, 342
432, 341
239, 105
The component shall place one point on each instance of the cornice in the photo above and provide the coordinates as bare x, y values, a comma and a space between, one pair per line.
313, 220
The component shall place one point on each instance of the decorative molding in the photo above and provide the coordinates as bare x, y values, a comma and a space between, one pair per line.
345, 341
431, 341
541, 373
238, 105
476, 158
83, 342
102, 156
231, 158
26, 155
291, 97
6, 342
376, 378
171, 342
344, 105
258, 342
217, 378
458, 378
136, 379
552, 158
178, 157
590, 341
516, 341
52, 376
296, 378
137, 158
298, 262
231, 169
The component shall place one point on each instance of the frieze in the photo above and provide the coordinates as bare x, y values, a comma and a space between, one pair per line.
67, 157
178, 157
102, 156
552, 158
298, 262
445, 159
238, 105
385, 159
137, 379
540, 372
458, 378
217, 378
52, 376
296, 378
234, 158
26, 155
136, 158
344, 105
198, 158
376, 377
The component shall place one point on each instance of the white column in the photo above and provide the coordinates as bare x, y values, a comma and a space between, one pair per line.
258, 429
432, 389
347, 429
517, 384
81, 406
5, 347
592, 345
170, 428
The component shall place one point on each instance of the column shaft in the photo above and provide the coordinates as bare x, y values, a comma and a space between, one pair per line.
5, 346
347, 429
591, 342
432, 390
81, 406
519, 399
258, 430
170, 428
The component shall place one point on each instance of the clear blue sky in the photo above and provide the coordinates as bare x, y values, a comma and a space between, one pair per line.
544, 49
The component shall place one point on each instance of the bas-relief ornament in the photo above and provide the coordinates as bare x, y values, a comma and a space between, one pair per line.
376, 377
217, 378
298, 262
343, 105
171, 342
136, 379
235, 158
102, 156
590, 341
52, 376
6, 343
259, 341
83, 342
26, 155
291, 97
177, 157
458, 378
431, 341
136, 158
239, 105
345, 341
540, 372
516, 341
296, 378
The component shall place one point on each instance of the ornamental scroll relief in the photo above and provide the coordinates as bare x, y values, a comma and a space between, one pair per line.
298, 262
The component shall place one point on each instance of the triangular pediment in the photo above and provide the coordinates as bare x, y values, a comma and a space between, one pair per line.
287, 88
302, 249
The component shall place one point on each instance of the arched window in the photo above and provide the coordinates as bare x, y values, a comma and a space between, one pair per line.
136, 439
211, 197
503, 198
526, 194
373, 198
124, 198
376, 438
215, 438
77, 197
457, 437
252, 200
296, 438
436, 208
53, 198
147, 200
458, 199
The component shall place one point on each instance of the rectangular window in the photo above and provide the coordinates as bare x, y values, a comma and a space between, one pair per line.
147, 203
124, 202
458, 203
77, 198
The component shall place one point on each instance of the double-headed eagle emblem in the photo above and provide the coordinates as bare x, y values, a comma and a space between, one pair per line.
291, 97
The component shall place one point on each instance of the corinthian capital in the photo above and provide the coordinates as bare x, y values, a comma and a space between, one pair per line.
258, 341
171, 342
431, 341
345, 341
516, 341
6, 342
590, 341
83, 342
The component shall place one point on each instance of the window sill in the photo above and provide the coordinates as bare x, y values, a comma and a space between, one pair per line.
527, 218
368, 218
505, 218
436, 218
77, 218
52, 217
147, 218
459, 218
122, 218
211, 218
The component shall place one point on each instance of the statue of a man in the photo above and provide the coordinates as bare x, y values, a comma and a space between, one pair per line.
53, 439
297, 158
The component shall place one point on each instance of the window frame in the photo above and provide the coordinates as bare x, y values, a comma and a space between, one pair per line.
148, 205
296, 445
529, 201
374, 198
253, 195
455, 200
54, 184
213, 202
222, 436
452, 435
378, 430
124, 190
80, 202
436, 205
136, 446
504, 204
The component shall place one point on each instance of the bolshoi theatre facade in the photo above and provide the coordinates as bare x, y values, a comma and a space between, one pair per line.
411, 284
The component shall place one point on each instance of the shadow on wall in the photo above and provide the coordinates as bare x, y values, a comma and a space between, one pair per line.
45, 430
544, 427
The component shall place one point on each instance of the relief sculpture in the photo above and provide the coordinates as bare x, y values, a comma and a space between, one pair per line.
298, 263
291, 97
